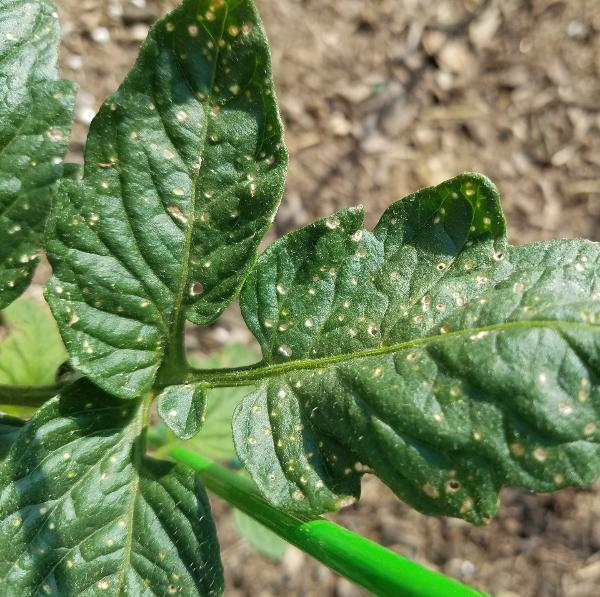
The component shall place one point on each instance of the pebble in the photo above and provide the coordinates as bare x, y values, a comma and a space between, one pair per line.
100, 35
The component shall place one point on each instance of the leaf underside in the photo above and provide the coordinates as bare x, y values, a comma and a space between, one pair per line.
35, 120
84, 512
427, 351
184, 170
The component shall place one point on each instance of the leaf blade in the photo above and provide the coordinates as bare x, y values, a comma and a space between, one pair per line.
184, 172
411, 348
183, 409
298, 468
31, 350
76, 482
34, 127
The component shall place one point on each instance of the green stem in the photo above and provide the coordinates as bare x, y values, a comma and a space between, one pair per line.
379, 570
244, 376
33, 396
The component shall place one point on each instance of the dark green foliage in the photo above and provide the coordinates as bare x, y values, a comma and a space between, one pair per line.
84, 511
182, 408
184, 170
429, 352
35, 120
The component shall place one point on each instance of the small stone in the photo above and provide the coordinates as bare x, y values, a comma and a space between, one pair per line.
100, 35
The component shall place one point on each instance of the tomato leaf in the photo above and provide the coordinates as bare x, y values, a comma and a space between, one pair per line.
183, 409
31, 350
214, 439
9, 429
35, 120
428, 351
83, 511
184, 170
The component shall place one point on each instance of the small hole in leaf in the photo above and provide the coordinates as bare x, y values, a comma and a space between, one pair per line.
176, 212
453, 485
285, 350
197, 288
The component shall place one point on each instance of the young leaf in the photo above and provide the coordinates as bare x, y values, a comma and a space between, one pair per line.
83, 511
35, 121
428, 351
182, 408
184, 170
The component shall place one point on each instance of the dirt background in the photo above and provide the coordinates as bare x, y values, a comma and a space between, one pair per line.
379, 98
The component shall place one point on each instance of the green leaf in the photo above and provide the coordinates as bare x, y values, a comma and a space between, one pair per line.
9, 430
265, 541
183, 408
214, 440
31, 350
184, 170
35, 121
84, 512
294, 466
428, 351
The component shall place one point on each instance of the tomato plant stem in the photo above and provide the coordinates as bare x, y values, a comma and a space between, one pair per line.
377, 569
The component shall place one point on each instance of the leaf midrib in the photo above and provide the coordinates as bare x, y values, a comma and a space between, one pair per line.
244, 376
176, 333
137, 429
